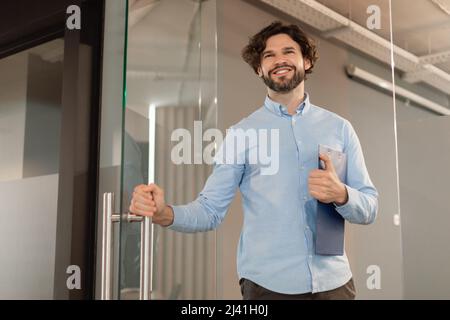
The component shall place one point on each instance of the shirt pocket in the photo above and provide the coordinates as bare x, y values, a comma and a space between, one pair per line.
311, 153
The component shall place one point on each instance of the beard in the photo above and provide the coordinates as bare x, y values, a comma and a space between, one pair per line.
283, 84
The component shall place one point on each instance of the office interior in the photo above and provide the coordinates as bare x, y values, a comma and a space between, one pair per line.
87, 114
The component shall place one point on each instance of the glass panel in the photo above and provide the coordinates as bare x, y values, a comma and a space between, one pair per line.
374, 250
30, 121
347, 32
111, 135
170, 73
422, 78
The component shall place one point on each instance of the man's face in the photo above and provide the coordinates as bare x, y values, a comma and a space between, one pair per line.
282, 66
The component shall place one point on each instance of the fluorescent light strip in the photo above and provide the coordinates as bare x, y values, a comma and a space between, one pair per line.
356, 72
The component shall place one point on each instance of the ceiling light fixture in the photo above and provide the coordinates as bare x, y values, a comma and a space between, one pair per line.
355, 72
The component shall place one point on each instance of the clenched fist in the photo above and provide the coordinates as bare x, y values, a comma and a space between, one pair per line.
148, 200
325, 186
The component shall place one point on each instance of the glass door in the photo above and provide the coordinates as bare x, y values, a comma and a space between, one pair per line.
162, 84
170, 72
350, 78
422, 91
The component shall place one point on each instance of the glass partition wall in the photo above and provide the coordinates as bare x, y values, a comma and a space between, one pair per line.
351, 36
422, 91
182, 67
170, 88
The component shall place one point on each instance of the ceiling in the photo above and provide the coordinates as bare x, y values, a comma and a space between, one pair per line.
163, 57
421, 45
420, 26
163, 60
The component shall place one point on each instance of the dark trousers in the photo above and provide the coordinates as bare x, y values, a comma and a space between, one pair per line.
253, 291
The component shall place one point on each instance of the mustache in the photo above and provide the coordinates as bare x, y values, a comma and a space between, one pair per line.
282, 66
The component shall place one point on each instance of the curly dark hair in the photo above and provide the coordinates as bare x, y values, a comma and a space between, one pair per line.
256, 45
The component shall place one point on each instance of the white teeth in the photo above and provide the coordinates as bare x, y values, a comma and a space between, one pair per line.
282, 71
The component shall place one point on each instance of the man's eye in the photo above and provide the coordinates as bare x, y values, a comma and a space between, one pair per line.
268, 55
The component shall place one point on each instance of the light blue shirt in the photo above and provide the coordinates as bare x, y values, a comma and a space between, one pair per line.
276, 245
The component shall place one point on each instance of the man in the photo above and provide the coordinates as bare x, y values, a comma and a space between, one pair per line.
276, 253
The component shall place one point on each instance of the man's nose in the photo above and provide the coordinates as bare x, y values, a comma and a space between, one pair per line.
280, 60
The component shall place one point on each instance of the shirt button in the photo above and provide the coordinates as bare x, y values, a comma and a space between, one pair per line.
302, 167
293, 120
305, 198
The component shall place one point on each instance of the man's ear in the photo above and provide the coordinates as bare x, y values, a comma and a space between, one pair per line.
307, 64
259, 72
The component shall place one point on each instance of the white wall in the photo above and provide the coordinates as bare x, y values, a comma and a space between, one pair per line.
425, 212
28, 233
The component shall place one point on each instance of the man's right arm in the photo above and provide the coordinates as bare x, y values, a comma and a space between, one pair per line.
203, 214
209, 209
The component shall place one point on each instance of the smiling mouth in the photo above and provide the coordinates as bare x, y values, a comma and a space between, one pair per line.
281, 71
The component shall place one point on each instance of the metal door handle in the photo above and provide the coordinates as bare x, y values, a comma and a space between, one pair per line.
146, 259
108, 203
146, 264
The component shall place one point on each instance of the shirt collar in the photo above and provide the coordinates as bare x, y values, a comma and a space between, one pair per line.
281, 110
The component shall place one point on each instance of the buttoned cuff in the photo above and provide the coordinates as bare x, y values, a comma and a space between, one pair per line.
179, 218
346, 209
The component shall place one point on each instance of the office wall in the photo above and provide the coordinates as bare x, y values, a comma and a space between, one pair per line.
420, 133
43, 117
12, 115
424, 152
28, 232
371, 113
30, 116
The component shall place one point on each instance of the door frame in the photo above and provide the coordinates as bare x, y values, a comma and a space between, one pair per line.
23, 25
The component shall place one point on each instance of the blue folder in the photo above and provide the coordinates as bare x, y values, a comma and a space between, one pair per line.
330, 225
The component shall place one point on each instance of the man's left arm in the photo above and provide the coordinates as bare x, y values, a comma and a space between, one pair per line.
362, 202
